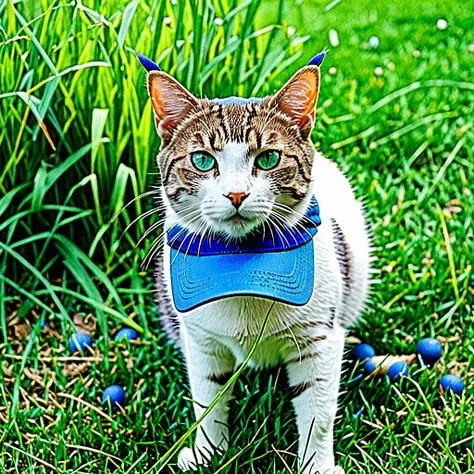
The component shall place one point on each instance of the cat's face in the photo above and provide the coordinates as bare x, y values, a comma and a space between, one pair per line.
229, 165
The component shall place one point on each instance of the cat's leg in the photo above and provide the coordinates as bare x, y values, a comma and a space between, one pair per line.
314, 377
209, 365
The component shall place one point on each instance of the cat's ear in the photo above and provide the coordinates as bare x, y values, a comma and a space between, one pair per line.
171, 102
298, 97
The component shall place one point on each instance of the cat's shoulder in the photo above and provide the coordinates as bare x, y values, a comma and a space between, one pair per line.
330, 185
337, 200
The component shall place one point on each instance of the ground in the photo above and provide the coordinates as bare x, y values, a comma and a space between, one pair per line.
404, 138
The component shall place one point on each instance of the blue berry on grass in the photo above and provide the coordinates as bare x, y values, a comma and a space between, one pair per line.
79, 341
116, 395
369, 366
364, 351
451, 382
396, 370
430, 350
127, 333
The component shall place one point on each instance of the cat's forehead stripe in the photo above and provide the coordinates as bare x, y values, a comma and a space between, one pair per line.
234, 119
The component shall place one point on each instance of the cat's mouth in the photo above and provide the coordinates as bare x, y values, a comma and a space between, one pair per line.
238, 225
236, 218
240, 219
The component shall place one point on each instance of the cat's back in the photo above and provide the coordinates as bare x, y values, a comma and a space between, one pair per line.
351, 238
335, 195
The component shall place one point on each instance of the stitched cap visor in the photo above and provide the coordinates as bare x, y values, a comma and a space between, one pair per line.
286, 276
277, 264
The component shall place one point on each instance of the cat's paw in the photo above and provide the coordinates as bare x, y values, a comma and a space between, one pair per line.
311, 469
332, 470
189, 459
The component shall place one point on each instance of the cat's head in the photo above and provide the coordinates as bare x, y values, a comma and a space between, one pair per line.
230, 165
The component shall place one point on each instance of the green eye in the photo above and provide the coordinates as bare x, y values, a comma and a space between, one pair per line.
267, 159
203, 161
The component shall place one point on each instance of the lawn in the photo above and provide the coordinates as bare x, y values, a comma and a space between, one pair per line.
77, 142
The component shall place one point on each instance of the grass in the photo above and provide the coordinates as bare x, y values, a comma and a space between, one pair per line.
77, 142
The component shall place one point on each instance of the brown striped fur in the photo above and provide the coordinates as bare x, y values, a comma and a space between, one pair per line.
282, 122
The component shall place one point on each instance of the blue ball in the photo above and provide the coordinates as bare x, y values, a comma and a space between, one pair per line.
83, 341
430, 350
452, 382
397, 369
364, 351
369, 366
115, 393
374, 42
127, 333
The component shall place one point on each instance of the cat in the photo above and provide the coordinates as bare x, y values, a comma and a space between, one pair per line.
231, 166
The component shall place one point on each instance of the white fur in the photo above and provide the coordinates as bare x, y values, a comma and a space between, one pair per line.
216, 337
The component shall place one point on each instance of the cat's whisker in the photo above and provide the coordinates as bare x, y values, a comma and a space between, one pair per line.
159, 223
152, 211
271, 233
284, 227
142, 216
146, 193
203, 235
156, 242
294, 225
181, 231
295, 220
179, 249
196, 234
156, 245
184, 240
150, 230
211, 236
263, 231
298, 224
280, 232
291, 211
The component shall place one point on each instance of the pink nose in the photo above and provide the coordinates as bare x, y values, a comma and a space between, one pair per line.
236, 198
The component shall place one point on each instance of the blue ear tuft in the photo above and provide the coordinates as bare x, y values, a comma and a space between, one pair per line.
148, 64
318, 59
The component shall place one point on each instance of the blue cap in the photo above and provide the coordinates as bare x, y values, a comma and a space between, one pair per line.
271, 263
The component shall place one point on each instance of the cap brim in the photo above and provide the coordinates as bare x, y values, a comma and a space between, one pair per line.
286, 276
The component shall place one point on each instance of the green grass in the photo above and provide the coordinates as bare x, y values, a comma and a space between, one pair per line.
77, 142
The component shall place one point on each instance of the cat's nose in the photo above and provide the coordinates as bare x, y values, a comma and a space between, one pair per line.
236, 198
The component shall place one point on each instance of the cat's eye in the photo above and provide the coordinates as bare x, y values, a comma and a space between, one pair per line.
203, 161
267, 160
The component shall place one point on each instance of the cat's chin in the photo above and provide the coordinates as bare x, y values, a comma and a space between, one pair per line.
236, 228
